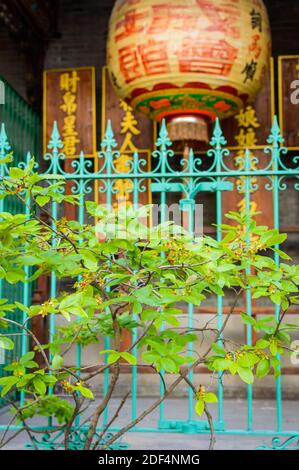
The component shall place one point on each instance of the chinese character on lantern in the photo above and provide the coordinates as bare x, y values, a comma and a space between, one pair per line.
256, 20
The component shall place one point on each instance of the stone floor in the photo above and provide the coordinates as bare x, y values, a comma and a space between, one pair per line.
235, 418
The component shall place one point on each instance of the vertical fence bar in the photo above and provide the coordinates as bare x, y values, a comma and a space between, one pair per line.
218, 155
163, 142
248, 272
55, 144
135, 331
108, 143
24, 340
277, 138
191, 209
81, 211
162, 372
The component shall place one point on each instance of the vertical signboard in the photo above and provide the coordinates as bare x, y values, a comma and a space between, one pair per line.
69, 99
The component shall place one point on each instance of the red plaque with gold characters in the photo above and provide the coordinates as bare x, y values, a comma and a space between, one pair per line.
288, 83
69, 99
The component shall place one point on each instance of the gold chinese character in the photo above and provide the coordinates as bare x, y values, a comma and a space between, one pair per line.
246, 139
247, 118
70, 145
242, 206
70, 105
121, 164
129, 122
69, 81
69, 127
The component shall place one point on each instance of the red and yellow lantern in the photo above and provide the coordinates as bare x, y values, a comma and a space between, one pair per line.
191, 60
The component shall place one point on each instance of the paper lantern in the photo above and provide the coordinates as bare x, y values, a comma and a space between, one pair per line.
188, 60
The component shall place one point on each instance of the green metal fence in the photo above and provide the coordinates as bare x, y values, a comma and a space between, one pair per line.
198, 174
24, 128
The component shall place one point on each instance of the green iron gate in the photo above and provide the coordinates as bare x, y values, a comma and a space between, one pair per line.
24, 128
211, 173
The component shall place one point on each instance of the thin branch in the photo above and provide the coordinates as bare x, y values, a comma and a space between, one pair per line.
29, 332
113, 381
109, 424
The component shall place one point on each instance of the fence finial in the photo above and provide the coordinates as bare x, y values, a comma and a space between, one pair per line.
55, 142
4, 144
109, 140
163, 140
275, 136
218, 139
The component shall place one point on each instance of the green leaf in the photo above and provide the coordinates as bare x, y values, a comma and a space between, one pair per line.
113, 357
66, 315
276, 298
89, 259
248, 320
169, 364
263, 368
27, 357
149, 356
31, 364
70, 301
6, 343
244, 361
261, 343
39, 386
57, 361
50, 379
276, 239
282, 254
15, 275
276, 366
221, 364
216, 289
7, 383
42, 200
210, 398
16, 173
245, 374
86, 392
218, 349
233, 368
199, 407
273, 348
129, 358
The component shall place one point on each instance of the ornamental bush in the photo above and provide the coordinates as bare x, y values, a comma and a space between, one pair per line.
137, 279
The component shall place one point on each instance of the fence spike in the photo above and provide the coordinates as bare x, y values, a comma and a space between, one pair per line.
163, 140
218, 139
275, 136
109, 140
28, 157
4, 144
55, 142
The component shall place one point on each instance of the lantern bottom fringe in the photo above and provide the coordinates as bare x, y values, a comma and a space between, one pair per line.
187, 128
